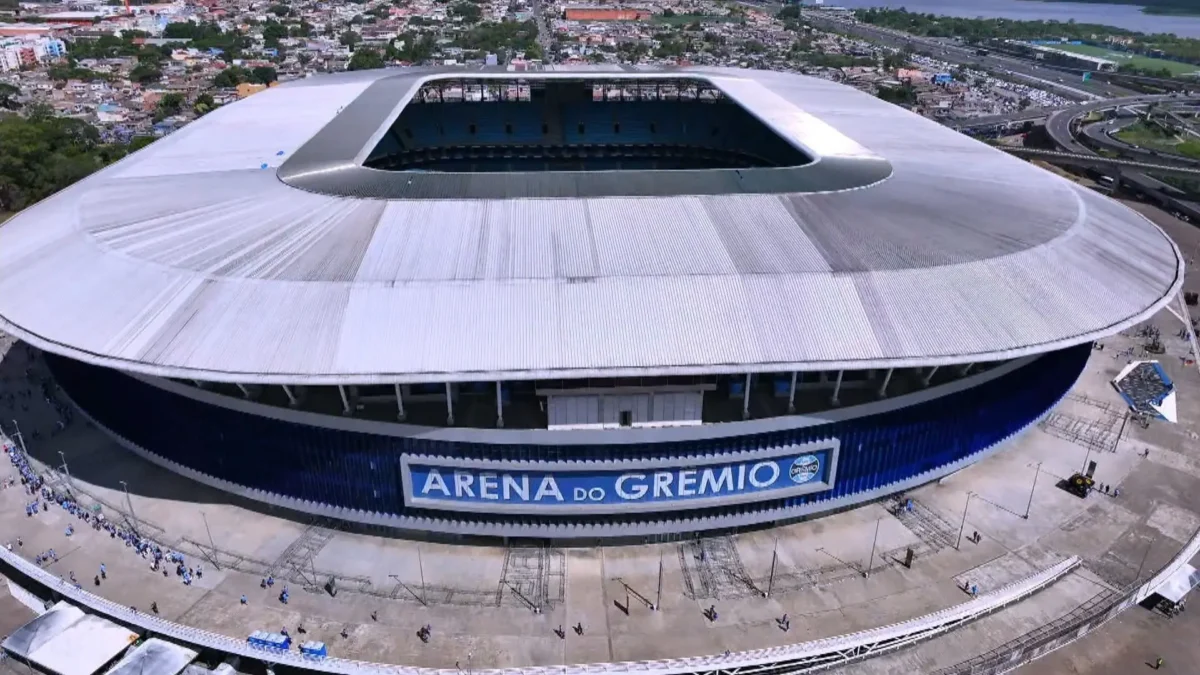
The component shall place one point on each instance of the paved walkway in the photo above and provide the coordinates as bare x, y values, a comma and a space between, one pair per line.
479, 600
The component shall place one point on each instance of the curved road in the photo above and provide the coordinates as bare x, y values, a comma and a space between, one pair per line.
1059, 129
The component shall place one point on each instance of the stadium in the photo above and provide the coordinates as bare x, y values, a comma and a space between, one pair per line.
572, 304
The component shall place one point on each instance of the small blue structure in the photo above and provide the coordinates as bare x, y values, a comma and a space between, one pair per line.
314, 649
942, 78
264, 640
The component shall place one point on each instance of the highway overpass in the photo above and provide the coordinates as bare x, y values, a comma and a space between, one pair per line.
1058, 127
1093, 161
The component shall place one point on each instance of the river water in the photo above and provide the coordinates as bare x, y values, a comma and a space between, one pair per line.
1128, 17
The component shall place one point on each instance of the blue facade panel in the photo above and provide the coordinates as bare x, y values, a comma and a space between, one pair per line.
365, 471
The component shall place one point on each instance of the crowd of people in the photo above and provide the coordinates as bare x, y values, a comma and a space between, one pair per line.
34, 484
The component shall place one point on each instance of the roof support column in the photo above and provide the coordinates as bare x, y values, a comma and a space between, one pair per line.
792, 394
499, 405
292, 401
245, 391
345, 400
837, 388
449, 405
886, 379
746, 399
965, 369
399, 403
929, 378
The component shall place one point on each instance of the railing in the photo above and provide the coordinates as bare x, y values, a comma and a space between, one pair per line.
794, 658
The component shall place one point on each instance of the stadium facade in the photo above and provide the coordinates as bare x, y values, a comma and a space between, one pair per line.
572, 304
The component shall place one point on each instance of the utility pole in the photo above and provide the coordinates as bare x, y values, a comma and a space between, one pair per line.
871, 560
958, 543
1029, 504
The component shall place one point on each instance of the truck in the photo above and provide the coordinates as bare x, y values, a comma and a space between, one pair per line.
981, 52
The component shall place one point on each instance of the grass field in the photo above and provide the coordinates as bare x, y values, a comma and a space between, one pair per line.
1149, 136
1134, 60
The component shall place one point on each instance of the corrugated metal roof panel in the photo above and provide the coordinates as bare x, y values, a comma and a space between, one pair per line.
962, 254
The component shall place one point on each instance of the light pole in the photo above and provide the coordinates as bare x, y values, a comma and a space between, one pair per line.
210, 541
1143, 563
129, 503
66, 469
871, 560
421, 568
958, 543
1029, 504
658, 593
20, 438
774, 560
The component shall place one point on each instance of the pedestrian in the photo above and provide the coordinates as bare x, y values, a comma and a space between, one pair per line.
103, 571
1158, 663
243, 598
1117, 492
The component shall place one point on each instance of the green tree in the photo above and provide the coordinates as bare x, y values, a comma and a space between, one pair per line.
8, 96
44, 153
263, 75
902, 95
169, 104
416, 49
349, 38
894, 61
204, 104
231, 76
365, 59
145, 73
280, 10
273, 32
469, 12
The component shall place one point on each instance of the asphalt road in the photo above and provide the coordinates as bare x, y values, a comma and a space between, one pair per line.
1064, 83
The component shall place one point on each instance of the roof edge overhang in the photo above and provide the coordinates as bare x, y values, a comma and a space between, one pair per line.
367, 378
332, 161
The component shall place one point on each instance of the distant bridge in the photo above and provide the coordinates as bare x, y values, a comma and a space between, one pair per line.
1101, 162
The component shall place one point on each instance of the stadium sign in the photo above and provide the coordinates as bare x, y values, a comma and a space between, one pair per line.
619, 486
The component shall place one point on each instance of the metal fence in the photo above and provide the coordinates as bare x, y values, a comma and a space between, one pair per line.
790, 659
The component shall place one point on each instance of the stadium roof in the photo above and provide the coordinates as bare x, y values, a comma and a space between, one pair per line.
189, 260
